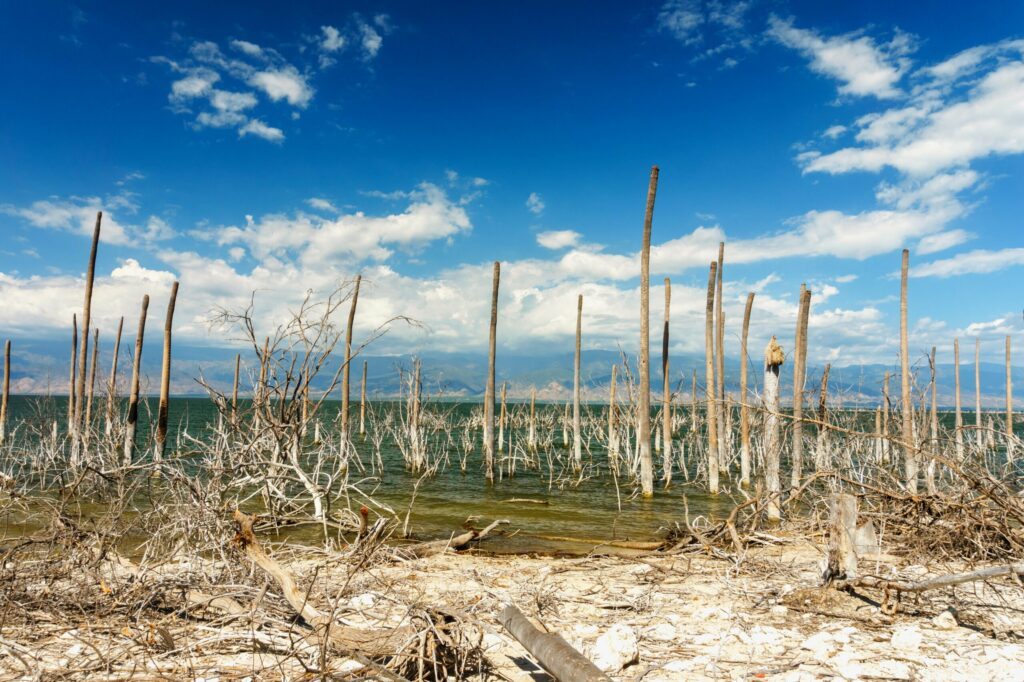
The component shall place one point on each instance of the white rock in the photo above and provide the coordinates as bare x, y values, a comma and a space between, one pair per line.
348, 667
945, 621
906, 639
492, 642
663, 632
616, 649
363, 601
779, 611
821, 645
74, 650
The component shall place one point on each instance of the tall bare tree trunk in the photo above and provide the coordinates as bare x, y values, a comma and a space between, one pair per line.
886, 412
348, 362
958, 433
799, 377
773, 358
977, 392
108, 425
531, 438
709, 389
666, 392
821, 454
907, 407
133, 395
74, 375
744, 408
489, 391
643, 427
1009, 405
83, 356
723, 440
7, 391
613, 432
577, 425
501, 418
933, 430
362, 403
86, 426
234, 390
165, 381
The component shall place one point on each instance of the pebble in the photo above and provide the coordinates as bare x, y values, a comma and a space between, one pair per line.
945, 621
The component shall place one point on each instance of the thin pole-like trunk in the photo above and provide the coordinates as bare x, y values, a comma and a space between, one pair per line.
773, 358
348, 361
501, 418
744, 409
666, 392
86, 318
643, 427
90, 388
907, 407
977, 392
489, 390
7, 391
958, 434
1009, 405
613, 435
886, 411
709, 388
234, 390
108, 425
531, 439
723, 440
577, 424
933, 430
133, 395
74, 374
362, 403
799, 376
160, 448
821, 458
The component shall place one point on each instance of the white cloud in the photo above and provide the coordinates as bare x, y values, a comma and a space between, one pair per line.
251, 49
284, 83
558, 239
833, 132
332, 39
321, 204
934, 243
862, 66
76, 215
370, 39
534, 203
260, 129
980, 261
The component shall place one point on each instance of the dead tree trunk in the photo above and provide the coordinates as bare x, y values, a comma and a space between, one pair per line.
907, 407
643, 427
7, 391
709, 389
489, 390
666, 395
841, 555
552, 652
348, 362
71, 382
977, 392
133, 396
362, 403
933, 430
744, 409
108, 425
86, 318
723, 440
821, 458
1009, 405
613, 434
799, 376
577, 425
958, 434
160, 447
773, 358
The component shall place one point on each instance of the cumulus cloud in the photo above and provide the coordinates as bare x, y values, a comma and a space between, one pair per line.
980, 261
260, 129
558, 239
862, 66
284, 83
534, 204
321, 204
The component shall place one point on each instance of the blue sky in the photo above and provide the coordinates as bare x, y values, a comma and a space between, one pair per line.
278, 149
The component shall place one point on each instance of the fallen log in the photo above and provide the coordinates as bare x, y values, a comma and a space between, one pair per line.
938, 581
553, 653
457, 542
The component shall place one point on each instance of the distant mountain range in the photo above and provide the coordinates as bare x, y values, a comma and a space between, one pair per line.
40, 367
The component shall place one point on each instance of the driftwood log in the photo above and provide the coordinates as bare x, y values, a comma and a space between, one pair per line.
553, 653
457, 542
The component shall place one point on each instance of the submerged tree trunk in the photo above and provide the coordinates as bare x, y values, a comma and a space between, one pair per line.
666, 396
577, 425
723, 441
643, 427
346, 372
108, 425
744, 408
160, 448
489, 391
84, 349
709, 389
133, 396
958, 433
74, 374
613, 435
